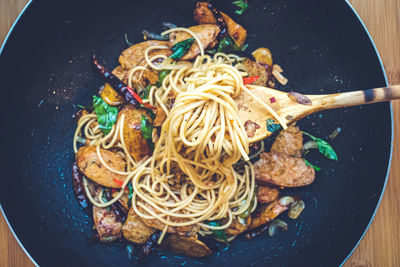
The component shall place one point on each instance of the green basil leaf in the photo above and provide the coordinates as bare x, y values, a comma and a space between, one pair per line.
228, 45
242, 4
219, 234
323, 147
272, 126
181, 48
106, 115
312, 165
147, 130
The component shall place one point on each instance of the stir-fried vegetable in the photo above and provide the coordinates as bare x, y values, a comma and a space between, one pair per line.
272, 126
275, 225
144, 94
147, 130
251, 79
181, 48
242, 4
219, 234
161, 76
323, 147
263, 55
106, 115
228, 45
312, 165
295, 209
128, 93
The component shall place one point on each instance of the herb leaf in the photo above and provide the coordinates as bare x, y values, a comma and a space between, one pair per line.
228, 45
147, 130
181, 48
106, 115
323, 147
272, 126
144, 94
219, 234
242, 4
312, 165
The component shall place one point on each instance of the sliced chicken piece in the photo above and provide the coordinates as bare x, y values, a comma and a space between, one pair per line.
267, 194
254, 68
188, 246
134, 141
123, 200
107, 225
190, 230
135, 230
203, 15
207, 33
283, 170
238, 226
135, 55
289, 142
89, 164
267, 213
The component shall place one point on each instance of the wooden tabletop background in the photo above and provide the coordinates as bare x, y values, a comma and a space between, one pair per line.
381, 244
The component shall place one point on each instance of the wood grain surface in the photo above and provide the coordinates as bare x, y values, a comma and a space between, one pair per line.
381, 244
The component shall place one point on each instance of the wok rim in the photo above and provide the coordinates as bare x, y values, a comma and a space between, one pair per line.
382, 68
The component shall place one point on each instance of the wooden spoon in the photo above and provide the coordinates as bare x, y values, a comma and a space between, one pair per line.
289, 110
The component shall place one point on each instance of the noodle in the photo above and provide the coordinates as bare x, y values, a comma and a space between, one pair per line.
189, 179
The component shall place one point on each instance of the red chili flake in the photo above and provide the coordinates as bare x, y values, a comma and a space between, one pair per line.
113, 190
250, 79
120, 183
272, 100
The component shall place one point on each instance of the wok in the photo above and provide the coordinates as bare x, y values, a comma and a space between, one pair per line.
46, 70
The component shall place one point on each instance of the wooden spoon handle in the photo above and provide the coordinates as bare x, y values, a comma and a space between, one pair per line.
356, 98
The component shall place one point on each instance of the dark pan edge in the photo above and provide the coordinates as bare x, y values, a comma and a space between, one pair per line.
391, 132
1, 208
391, 144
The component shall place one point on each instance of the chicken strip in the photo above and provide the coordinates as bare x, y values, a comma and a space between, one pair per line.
188, 246
267, 194
135, 230
283, 170
90, 165
289, 142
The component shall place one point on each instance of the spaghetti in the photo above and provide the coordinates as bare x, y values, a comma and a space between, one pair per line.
189, 179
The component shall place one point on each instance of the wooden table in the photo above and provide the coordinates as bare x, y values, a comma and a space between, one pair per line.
381, 244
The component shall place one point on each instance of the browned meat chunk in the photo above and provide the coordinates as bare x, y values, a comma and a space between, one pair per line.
267, 194
160, 117
107, 225
135, 229
289, 142
207, 33
134, 55
251, 128
203, 15
89, 164
123, 200
238, 226
267, 213
256, 69
189, 230
283, 170
188, 246
134, 141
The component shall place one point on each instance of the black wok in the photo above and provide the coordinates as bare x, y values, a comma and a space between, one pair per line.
45, 69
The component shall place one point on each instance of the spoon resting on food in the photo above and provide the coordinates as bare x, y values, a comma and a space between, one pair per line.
293, 106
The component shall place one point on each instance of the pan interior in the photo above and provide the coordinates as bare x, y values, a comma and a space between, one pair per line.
46, 71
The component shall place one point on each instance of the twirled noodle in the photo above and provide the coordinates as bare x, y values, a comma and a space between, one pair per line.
189, 179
